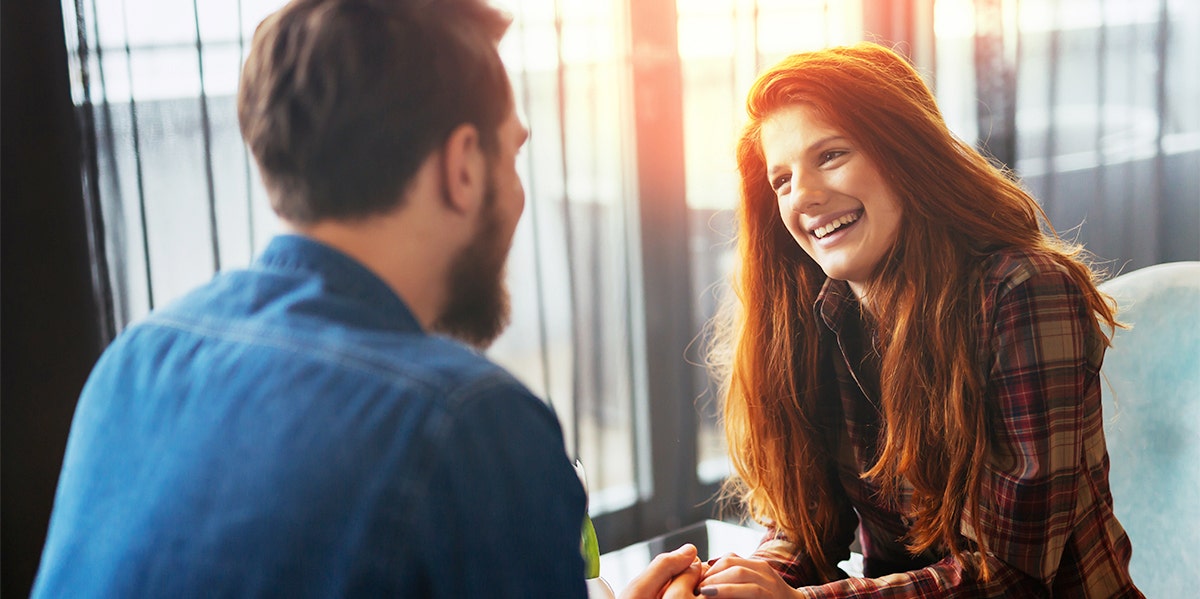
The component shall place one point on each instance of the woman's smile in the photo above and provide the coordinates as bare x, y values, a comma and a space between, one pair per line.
836, 227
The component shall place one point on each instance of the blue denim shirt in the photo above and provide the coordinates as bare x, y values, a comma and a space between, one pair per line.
290, 431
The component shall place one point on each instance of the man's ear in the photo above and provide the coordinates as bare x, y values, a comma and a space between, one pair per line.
463, 169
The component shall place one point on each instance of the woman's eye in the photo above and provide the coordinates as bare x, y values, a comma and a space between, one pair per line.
779, 182
831, 155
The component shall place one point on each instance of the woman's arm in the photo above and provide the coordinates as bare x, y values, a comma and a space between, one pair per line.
793, 564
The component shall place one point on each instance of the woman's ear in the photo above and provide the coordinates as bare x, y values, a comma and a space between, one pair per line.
464, 164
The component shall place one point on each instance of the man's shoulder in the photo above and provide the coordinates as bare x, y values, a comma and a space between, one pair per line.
390, 363
456, 373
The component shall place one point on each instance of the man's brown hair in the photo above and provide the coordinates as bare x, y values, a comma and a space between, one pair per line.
342, 100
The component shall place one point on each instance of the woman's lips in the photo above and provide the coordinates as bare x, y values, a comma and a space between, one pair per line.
836, 224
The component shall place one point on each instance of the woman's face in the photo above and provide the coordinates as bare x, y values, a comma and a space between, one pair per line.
832, 199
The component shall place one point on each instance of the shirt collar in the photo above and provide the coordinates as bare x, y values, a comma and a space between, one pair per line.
834, 299
340, 275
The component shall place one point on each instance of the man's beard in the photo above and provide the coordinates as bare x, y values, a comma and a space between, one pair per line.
477, 307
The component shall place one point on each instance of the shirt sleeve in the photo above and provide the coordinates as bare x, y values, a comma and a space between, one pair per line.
796, 566
505, 507
793, 565
1039, 375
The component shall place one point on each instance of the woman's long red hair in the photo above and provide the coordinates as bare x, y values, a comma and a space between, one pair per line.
957, 208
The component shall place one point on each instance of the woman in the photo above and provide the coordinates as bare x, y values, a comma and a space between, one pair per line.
915, 354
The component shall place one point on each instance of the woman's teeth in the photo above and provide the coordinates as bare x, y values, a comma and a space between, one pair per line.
820, 232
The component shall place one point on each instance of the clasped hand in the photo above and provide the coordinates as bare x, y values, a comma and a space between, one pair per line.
681, 575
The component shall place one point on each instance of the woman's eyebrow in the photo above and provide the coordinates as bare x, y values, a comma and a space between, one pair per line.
775, 169
824, 141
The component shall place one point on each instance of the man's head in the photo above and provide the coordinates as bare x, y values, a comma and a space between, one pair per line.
342, 100
348, 107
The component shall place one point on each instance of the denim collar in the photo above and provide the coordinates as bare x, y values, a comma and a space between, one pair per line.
339, 275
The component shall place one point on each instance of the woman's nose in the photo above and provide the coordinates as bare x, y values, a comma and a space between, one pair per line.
807, 194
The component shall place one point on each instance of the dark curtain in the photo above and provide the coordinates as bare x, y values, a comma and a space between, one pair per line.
995, 83
51, 334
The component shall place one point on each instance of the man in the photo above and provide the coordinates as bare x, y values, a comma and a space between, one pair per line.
300, 428
295, 429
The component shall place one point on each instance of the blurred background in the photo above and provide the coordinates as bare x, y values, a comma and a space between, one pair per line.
127, 184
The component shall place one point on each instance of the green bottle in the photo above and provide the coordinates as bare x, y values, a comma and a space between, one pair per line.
597, 587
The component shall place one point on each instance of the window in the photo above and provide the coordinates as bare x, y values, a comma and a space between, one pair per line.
573, 338
179, 193
1103, 128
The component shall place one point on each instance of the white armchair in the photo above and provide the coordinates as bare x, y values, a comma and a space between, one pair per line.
1151, 388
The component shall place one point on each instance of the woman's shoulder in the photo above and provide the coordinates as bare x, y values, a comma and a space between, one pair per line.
1006, 269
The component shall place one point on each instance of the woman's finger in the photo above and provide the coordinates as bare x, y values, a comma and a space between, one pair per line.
734, 591
739, 577
649, 584
726, 561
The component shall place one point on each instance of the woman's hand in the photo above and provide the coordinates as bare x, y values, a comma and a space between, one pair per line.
652, 582
738, 577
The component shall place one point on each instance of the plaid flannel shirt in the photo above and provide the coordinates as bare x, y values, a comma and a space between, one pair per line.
1045, 491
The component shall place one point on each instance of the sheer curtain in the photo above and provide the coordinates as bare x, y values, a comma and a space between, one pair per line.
175, 187
573, 270
1095, 105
